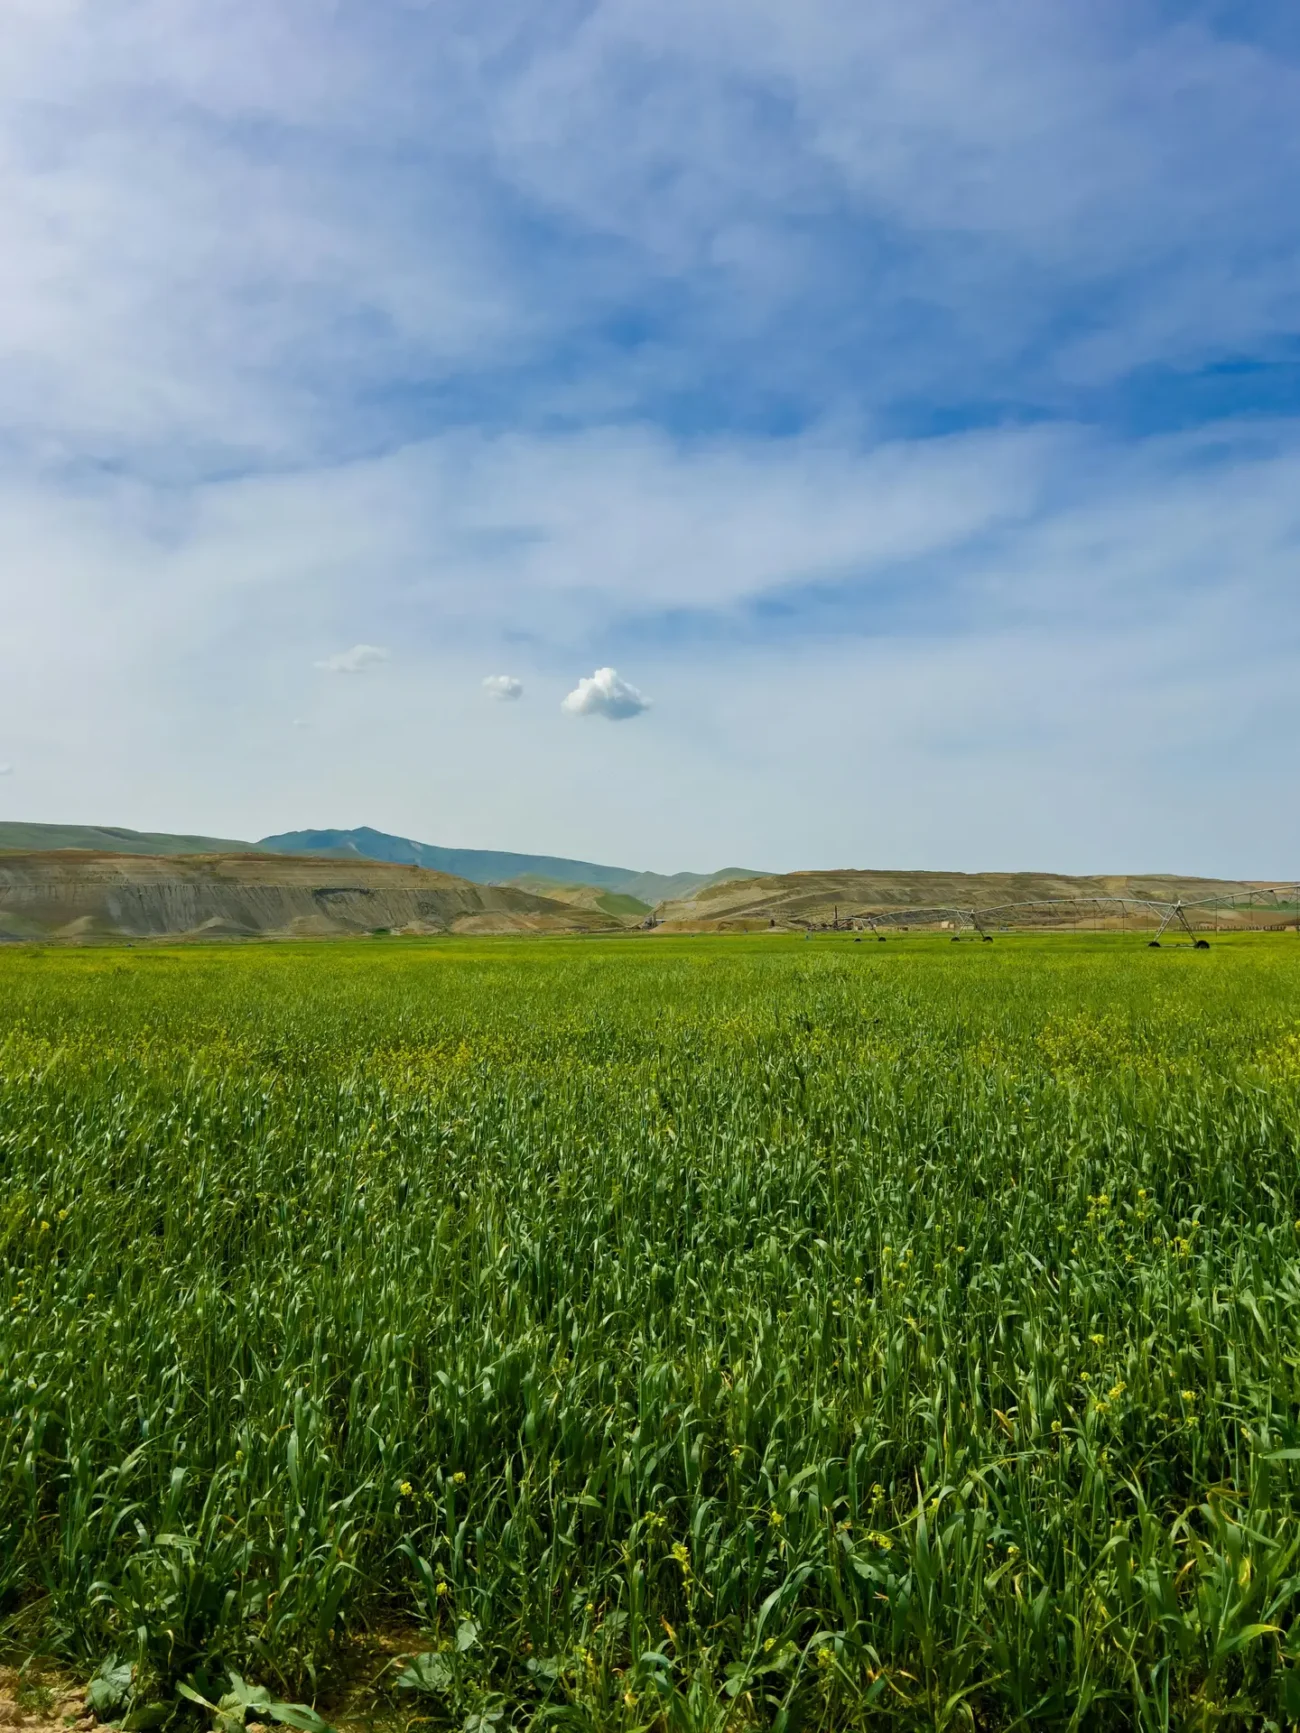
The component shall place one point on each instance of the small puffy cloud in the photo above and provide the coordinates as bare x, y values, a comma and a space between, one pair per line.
354, 661
6, 769
503, 687
605, 693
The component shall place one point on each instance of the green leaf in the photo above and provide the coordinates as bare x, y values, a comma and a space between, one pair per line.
298, 1715
148, 1716
110, 1689
466, 1635
251, 1696
485, 1717
427, 1672
230, 1713
1247, 1634
193, 1696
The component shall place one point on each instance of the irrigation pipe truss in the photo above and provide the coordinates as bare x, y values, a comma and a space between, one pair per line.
1165, 916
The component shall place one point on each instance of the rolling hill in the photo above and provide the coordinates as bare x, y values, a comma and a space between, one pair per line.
626, 908
482, 866
83, 896
793, 900
113, 839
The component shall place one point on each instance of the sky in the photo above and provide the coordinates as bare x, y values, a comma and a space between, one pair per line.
674, 433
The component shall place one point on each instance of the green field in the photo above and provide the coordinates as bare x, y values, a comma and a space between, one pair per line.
675, 1333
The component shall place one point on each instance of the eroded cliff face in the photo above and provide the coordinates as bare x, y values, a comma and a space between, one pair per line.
79, 895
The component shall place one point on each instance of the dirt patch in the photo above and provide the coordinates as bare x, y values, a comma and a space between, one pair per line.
42, 1697
365, 1700
43, 1700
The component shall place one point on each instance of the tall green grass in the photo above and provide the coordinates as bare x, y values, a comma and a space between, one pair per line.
681, 1333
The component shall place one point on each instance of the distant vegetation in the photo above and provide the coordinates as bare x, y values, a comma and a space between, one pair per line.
113, 839
686, 1334
614, 904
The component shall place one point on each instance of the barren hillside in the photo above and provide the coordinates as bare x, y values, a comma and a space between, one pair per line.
789, 900
84, 895
630, 911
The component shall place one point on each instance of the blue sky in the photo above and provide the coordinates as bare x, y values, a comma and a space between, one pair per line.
905, 399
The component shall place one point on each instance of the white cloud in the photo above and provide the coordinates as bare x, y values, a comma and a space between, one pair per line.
503, 687
605, 693
355, 660
6, 769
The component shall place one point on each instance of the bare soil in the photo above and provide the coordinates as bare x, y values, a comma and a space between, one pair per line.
42, 1699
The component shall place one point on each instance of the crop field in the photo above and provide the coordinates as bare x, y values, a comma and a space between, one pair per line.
657, 1333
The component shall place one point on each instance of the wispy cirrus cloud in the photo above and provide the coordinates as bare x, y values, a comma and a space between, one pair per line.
353, 661
707, 339
931, 210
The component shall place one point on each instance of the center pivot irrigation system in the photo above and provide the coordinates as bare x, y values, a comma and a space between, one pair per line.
1186, 921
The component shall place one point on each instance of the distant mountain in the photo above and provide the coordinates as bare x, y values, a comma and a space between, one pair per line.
656, 887
486, 866
483, 866
112, 839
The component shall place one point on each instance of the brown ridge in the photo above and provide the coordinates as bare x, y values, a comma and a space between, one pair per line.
81, 895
